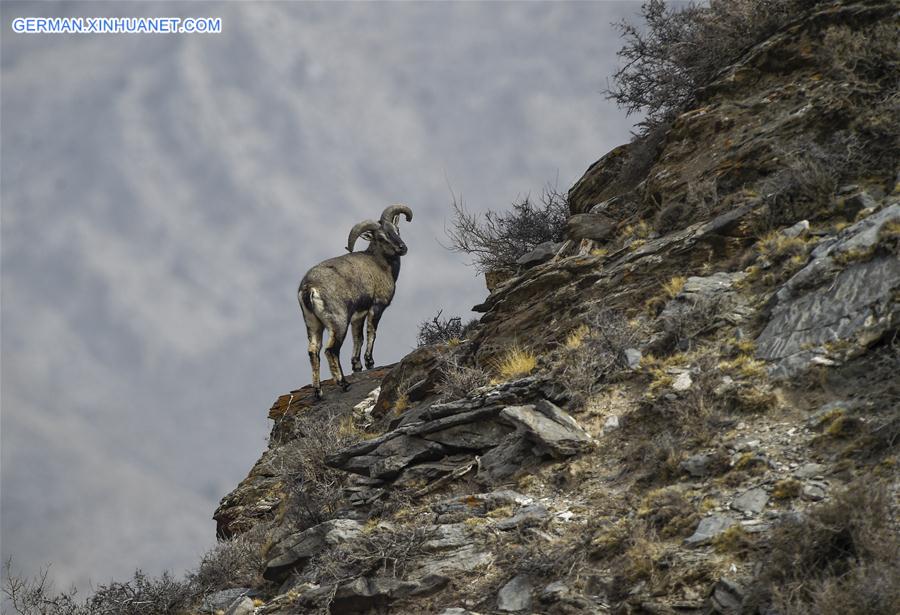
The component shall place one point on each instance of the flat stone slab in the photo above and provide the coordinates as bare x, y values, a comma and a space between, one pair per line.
709, 528
752, 501
826, 302
515, 596
550, 426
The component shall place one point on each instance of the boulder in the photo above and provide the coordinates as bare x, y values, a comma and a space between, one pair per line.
527, 515
241, 606
633, 357
550, 427
594, 226
540, 254
515, 596
221, 600
512, 455
704, 464
481, 435
709, 528
727, 597
827, 304
751, 501
598, 182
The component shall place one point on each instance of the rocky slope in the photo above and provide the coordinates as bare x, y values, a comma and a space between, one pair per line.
716, 359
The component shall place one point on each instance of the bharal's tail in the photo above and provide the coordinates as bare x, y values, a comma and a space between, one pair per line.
310, 299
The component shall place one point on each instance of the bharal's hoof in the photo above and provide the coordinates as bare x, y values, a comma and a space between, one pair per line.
317, 394
357, 366
345, 386
370, 363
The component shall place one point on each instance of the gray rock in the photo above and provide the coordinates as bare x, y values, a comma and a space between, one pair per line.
633, 357
703, 464
447, 536
515, 596
541, 254
827, 302
746, 444
611, 422
595, 226
554, 592
294, 551
241, 606
221, 600
527, 515
814, 492
423, 473
682, 382
810, 470
727, 597
717, 283
752, 501
457, 611
855, 203
552, 428
755, 526
511, 456
797, 230
464, 559
479, 504
390, 458
481, 435
709, 528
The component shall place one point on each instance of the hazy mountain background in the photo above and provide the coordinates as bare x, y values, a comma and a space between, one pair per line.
163, 194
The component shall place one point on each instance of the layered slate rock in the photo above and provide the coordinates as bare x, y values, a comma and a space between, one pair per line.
550, 427
593, 226
844, 299
505, 438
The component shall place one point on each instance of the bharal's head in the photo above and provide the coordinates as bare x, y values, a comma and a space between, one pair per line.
384, 235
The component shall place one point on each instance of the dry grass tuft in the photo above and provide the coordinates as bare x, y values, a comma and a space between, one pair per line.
674, 286
516, 362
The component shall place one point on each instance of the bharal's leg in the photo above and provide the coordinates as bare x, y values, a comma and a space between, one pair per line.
356, 326
332, 354
374, 316
314, 331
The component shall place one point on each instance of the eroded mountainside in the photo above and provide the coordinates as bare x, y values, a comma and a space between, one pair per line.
690, 406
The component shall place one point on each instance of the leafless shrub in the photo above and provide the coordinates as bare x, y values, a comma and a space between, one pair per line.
595, 352
236, 562
802, 186
502, 237
458, 380
381, 551
142, 595
841, 557
314, 489
862, 57
36, 596
678, 50
444, 330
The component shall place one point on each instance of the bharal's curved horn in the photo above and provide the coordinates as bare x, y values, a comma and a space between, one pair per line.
359, 229
393, 212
